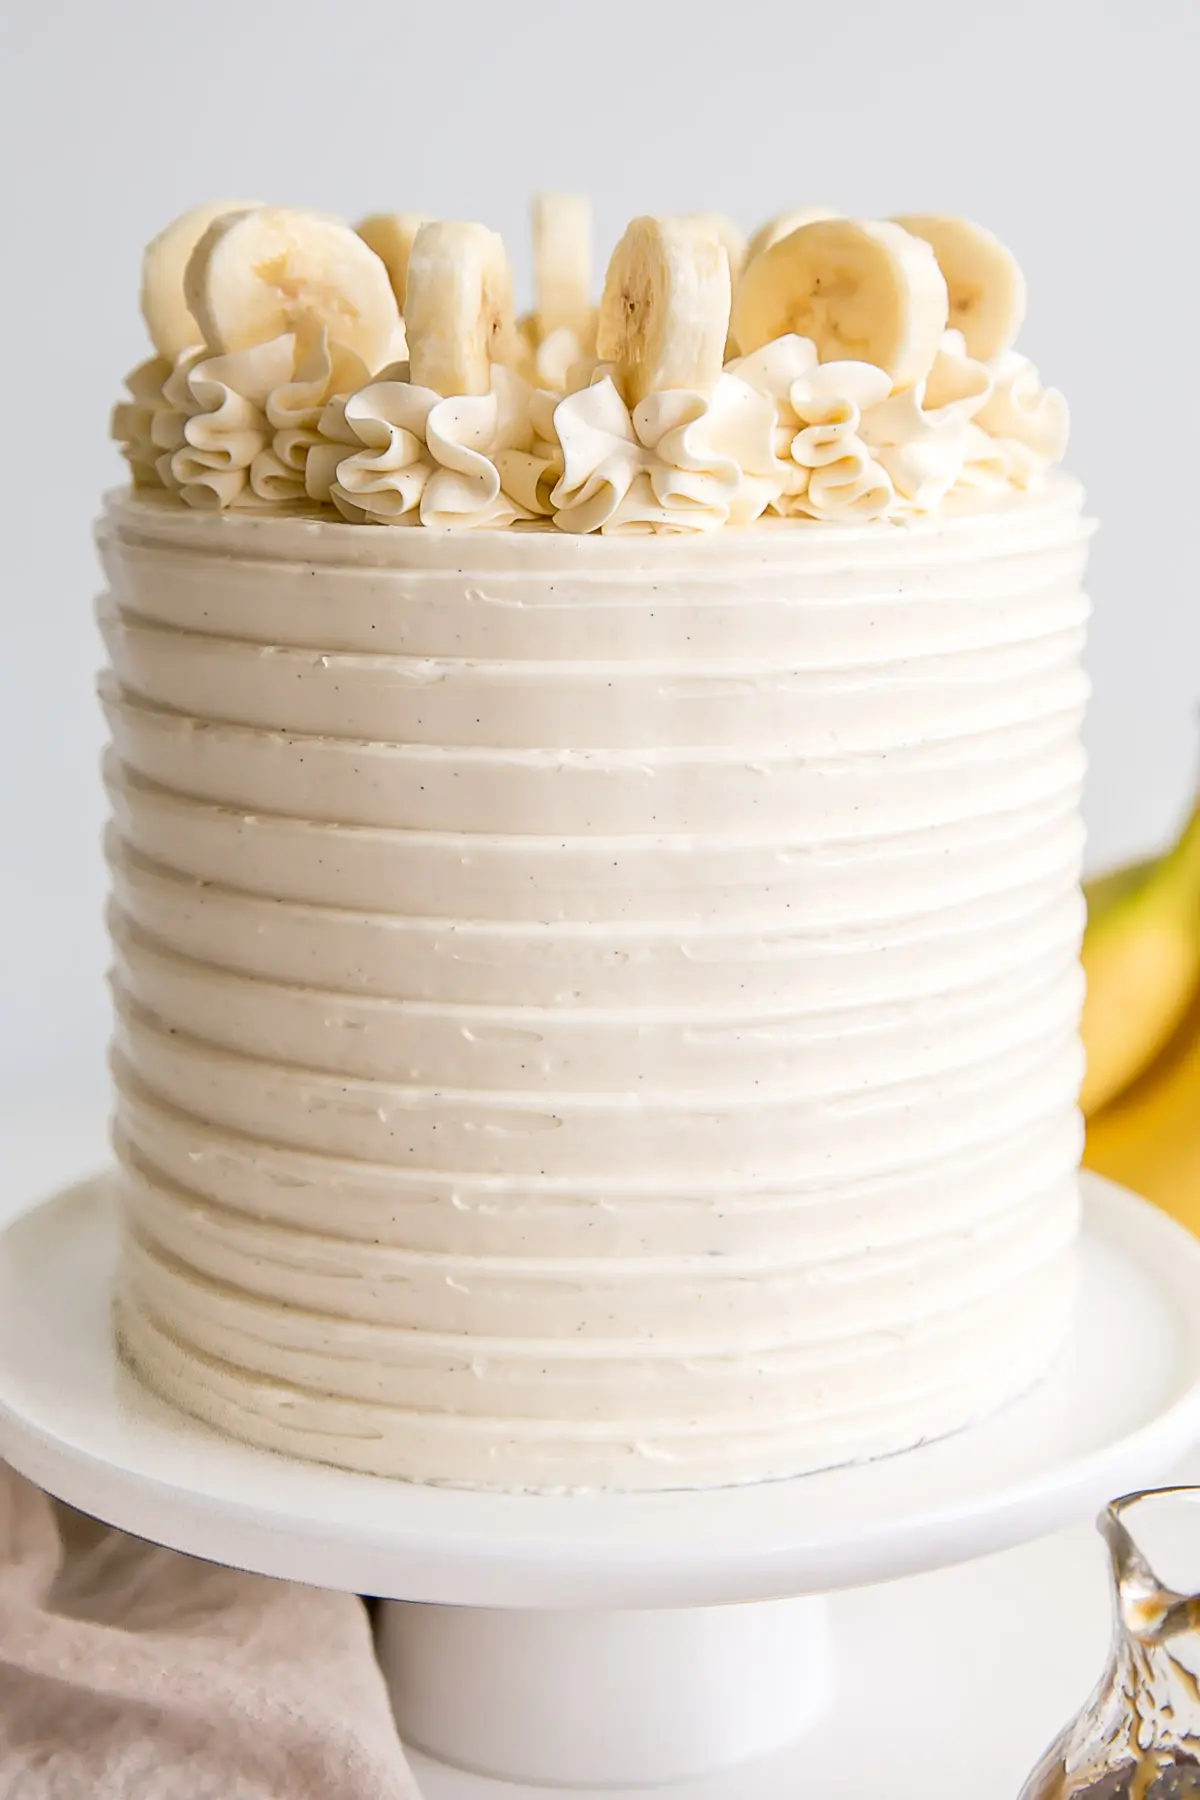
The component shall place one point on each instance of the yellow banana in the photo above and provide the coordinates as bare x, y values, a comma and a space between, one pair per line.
1141, 954
1149, 1138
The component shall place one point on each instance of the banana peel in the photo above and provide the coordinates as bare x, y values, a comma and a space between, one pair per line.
1141, 955
1148, 1139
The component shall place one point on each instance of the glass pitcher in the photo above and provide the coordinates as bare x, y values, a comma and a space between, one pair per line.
1138, 1737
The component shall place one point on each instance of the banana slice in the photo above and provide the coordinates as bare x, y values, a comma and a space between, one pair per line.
726, 233
664, 315
168, 317
987, 288
562, 263
254, 275
782, 226
390, 236
459, 311
863, 290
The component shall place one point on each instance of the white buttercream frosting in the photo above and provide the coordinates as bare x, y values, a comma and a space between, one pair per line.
838, 477
217, 421
1020, 430
293, 421
849, 447
920, 436
235, 430
428, 459
133, 420
321, 371
677, 461
600, 1010
274, 427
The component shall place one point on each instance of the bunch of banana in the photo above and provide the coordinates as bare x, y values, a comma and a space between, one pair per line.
1141, 1026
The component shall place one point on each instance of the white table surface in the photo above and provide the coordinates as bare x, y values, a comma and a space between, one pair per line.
950, 1684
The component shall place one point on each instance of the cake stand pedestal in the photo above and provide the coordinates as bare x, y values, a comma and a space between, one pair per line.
601, 1641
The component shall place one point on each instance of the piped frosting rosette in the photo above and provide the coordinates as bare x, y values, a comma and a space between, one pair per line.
884, 407
662, 439
235, 430
215, 422
262, 315
850, 447
823, 466
432, 440
1020, 430
423, 458
677, 461
920, 436
321, 370
857, 370
133, 420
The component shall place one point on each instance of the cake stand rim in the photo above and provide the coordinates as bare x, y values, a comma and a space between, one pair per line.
113, 1450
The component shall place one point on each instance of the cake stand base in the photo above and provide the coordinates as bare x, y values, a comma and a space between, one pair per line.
613, 1699
600, 1640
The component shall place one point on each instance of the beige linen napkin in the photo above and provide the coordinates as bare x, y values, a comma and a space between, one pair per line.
128, 1672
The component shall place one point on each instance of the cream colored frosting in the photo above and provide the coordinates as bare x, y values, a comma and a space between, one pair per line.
1019, 431
237, 430
294, 421
676, 462
825, 468
920, 436
217, 423
600, 1010
850, 447
321, 370
427, 459
133, 420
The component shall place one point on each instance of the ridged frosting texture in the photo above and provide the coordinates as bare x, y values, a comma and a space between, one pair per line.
595, 1012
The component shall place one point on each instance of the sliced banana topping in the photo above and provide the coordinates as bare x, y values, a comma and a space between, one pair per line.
390, 236
727, 233
459, 307
562, 264
922, 309
254, 275
169, 319
782, 226
986, 286
664, 315
863, 290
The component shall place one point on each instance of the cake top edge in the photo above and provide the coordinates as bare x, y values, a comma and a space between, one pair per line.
829, 370
1011, 523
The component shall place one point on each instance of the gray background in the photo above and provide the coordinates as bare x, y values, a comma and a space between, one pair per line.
1068, 126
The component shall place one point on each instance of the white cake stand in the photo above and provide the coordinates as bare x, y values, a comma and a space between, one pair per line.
590, 1640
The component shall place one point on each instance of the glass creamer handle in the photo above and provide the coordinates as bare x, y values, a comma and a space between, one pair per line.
1138, 1737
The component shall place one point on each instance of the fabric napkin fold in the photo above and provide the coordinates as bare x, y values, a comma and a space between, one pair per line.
129, 1672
